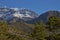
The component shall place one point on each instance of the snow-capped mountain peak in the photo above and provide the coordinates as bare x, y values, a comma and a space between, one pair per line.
13, 13
21, 15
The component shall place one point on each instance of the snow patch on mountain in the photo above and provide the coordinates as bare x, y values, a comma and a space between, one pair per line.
13, 13
15, 9
19, 15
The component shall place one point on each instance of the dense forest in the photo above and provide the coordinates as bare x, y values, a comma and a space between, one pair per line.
41, 31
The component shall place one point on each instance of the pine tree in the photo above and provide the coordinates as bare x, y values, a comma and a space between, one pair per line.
3, 30
54, 26
39, 32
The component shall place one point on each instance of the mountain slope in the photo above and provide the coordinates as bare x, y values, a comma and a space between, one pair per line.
28, 28
9, 14
45, 16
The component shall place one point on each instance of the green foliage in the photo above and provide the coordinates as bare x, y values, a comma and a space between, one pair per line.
50, 31
39, 32
53, 27
4, 32
54, 23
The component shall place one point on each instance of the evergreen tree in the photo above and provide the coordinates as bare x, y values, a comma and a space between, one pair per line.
4, 32
54, 26
39, 32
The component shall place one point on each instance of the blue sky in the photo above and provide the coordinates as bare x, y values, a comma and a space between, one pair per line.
39, 6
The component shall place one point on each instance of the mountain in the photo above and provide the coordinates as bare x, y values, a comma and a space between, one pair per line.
20, 24
45, 16
25, 15
17, 14
17, 18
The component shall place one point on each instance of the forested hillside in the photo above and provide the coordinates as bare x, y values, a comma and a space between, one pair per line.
40, 31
